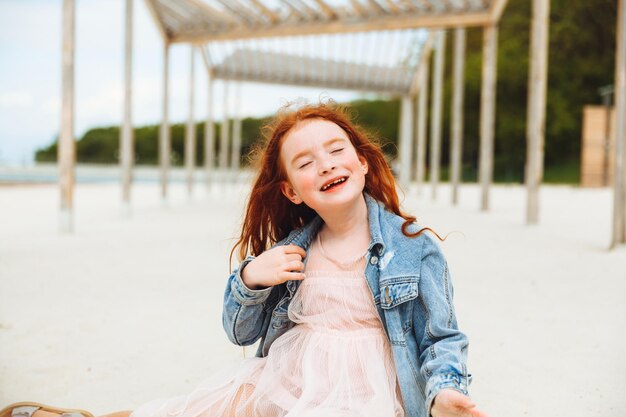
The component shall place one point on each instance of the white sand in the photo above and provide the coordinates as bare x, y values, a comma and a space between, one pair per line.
127, 310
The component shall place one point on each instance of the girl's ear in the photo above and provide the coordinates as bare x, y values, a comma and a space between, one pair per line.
364, 166
289, 192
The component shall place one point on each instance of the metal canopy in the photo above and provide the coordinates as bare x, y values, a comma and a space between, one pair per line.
200, 21
383, 62
257, 66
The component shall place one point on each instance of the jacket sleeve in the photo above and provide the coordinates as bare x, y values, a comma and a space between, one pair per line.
244, 311
442, 347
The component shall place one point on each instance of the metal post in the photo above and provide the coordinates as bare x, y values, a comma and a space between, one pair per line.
190, 131
164, 133
619, 182
435, 127
422, 109
224, 133
456, 152
487, 111
606, 94
235, 156
537, 81
66, 151
126, 147
405, 142
209, 132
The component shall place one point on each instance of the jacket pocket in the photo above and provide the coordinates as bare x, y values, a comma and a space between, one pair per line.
280, 315
395, 291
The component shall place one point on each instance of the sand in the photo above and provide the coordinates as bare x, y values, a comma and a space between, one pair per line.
128, 309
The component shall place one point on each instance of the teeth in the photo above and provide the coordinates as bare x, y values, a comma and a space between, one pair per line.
326, 187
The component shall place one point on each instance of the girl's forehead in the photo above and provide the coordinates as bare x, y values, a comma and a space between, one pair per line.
314, 130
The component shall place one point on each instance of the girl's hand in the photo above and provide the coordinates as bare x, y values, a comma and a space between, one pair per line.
274, 266
451, 403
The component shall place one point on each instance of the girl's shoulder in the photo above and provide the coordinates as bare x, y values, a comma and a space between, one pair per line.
424, 245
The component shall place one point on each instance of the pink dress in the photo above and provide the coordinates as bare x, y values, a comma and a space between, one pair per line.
336, 361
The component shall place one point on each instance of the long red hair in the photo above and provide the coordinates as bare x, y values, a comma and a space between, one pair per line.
269, 215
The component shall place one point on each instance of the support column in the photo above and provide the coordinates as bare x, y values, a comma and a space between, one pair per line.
164, 132
487, 112
209, 132
235, 155
127, 154
66, 151
435, 126
224, 133
406, 140
422, 109
456, 151
619, 183
190, 130
537, 82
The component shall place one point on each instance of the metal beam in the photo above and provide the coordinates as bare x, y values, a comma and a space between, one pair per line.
358, 8
209, 128
218, 17
487, 111
311, 12
164, 132
224, 133
237, 14
435, 126
537, 81
405, 140
408, 5
235, 154
328, 11
66, 152
497, 8
424, 5
425, 53
375, 8
393, 7
388, 22
272, 17
456, 152
157, 20
190, 129
619, 187
297, 12
126, 134
422, 109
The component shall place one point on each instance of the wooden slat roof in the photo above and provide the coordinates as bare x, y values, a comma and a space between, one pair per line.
236, 34
200, 21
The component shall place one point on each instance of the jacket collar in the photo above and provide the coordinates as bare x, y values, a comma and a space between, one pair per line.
304, 235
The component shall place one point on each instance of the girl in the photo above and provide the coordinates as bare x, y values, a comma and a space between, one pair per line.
350, 300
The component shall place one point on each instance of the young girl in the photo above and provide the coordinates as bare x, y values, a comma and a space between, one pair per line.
351, 301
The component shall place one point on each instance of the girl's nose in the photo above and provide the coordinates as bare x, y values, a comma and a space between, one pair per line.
326, 166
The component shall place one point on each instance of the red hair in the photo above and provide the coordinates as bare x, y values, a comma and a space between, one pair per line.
269, 215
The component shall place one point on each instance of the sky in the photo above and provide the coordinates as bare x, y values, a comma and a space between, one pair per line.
30, 75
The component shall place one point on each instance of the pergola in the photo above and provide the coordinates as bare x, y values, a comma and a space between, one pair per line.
250, 40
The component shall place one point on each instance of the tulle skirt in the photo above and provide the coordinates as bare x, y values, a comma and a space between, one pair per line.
307, 373
335, 362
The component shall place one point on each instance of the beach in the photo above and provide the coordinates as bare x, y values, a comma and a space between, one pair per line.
128, 307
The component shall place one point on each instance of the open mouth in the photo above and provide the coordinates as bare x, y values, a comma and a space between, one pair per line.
334, 183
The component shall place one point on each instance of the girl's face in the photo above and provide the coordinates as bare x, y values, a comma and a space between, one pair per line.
323, 168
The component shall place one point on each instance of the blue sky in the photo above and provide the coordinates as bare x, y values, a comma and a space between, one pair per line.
30, 75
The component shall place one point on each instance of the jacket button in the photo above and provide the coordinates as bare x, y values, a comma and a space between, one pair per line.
374, 260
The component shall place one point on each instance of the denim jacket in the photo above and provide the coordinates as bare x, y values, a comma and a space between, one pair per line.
411, 288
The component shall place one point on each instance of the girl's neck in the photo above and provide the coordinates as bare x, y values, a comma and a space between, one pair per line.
351, 222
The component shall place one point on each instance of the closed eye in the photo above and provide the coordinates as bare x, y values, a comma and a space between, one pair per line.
305, 164
337, 150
